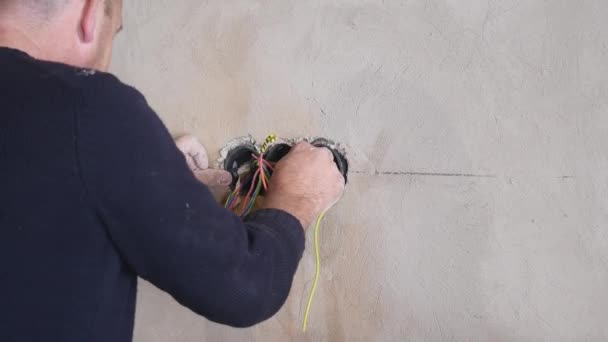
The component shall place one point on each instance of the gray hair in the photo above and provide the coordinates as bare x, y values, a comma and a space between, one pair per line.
43, 7
46, 8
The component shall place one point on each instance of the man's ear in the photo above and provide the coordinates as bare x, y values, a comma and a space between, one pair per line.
88, 19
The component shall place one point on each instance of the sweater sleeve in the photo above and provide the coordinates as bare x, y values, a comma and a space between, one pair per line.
166, 225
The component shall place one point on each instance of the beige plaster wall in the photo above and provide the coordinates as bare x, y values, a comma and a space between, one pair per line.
478, 136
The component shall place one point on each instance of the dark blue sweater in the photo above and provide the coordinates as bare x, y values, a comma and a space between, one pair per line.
93, 193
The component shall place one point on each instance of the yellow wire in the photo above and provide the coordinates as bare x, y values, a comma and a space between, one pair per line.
271, 139
317, 271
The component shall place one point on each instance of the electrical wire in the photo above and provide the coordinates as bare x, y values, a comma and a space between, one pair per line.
260, 179
262, 171
253, 184
233, 195
317, 271
249, 207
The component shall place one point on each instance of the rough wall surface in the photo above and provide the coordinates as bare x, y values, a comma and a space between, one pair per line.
478, 135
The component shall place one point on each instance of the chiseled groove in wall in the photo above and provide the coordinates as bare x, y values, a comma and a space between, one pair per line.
437, 174
431, 174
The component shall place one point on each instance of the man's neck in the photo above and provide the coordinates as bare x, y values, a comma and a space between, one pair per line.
12, 37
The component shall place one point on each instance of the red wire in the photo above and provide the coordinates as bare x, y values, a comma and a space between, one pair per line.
251, 189
261, 172
268, 164
263, 162
235, 200
263, 176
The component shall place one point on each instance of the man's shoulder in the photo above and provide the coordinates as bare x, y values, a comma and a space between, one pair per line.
102, 95
21, 72
94, 85
105, 89
92, 95
89, 85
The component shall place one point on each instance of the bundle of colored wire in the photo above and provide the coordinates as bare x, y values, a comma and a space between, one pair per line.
258, 181
232, 197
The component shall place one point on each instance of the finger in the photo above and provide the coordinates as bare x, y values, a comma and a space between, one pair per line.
186, 142
328, 153
200, 158
212, 177
195, 152
192, 165
324, 151
302, 145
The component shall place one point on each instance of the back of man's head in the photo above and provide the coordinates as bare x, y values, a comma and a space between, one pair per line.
76, 32
46, 8
36, 7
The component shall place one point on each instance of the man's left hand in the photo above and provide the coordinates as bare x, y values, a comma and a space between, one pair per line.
198, 161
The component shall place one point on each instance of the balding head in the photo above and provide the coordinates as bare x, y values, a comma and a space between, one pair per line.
76, 32
40, 8
47, 8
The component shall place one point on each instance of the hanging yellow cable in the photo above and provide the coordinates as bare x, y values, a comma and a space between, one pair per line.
317, 271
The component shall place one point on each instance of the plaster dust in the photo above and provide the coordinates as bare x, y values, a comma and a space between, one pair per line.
477, 132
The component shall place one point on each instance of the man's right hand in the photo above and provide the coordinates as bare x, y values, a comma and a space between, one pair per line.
305, 183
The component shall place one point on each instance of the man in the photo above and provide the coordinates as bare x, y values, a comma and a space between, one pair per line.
95, 193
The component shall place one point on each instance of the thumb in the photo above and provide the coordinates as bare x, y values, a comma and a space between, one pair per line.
212, 177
